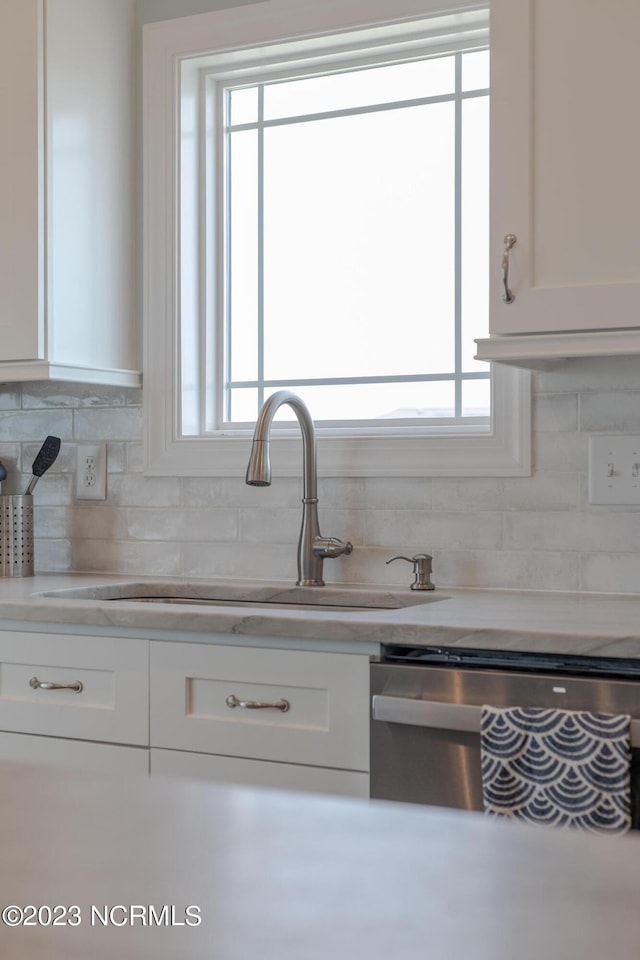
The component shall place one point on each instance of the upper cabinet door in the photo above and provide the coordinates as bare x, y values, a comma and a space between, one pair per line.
67, 191
565, 164
21, 180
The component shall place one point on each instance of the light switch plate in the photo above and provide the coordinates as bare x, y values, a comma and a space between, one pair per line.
614, 469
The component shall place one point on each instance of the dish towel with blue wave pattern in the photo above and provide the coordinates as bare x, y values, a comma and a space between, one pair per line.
557, 767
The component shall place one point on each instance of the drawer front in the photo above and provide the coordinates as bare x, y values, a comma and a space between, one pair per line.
325, 725
112, 671
258, 773
101, 758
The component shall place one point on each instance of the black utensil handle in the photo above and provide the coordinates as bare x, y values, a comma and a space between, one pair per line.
46, 456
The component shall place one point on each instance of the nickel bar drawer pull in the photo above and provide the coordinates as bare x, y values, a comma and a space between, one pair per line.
232, 701
36, 684
508, 296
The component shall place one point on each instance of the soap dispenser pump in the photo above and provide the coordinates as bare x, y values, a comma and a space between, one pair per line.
421, 570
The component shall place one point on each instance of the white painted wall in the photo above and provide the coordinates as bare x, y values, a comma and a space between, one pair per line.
150, 10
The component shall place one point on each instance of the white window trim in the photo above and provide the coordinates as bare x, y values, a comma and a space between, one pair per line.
461, 451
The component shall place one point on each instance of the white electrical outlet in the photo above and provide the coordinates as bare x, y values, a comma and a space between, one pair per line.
91, 471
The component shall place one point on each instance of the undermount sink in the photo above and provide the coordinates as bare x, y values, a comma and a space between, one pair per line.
346, 598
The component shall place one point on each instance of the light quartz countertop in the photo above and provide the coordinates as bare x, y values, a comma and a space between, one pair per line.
288, 877
593, 624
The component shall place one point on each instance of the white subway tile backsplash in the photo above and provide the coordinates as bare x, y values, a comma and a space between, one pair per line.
283, 526
115, 423
10, 397
52, 489
572, 531
11, 458
256, 561
610, 572
536, 533
560, 452
134, 490
555, 412
51, 523
178, 525
591, 375
234, 492
610, 412
424, 532
36, 425
544, 491
341, 492
52, 556
127, 557
507, 569
92, 521
269, 525
116, 457
39, 396
134, 458
65, 462
389, 493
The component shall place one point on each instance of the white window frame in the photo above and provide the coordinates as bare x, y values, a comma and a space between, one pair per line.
287, 29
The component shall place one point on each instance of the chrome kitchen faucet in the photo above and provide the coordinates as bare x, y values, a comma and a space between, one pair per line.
313, 548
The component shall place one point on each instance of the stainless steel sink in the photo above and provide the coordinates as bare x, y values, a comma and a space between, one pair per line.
347, 598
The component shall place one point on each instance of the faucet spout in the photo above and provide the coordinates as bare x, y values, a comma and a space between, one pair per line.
259, 468
313, 548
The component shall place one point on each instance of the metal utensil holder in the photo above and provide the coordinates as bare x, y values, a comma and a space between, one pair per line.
16, 536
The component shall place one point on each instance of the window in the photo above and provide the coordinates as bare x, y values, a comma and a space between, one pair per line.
326, 232
347, 198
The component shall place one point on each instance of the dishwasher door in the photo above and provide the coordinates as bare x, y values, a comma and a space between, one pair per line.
425, 725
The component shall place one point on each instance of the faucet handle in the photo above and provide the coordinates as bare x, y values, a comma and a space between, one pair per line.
421, 570
330, 547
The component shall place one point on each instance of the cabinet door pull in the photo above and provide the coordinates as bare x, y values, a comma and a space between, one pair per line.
232, 701
508, 296
36, 684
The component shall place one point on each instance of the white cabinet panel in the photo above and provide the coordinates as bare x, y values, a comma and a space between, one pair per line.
112, 704
565, 160
74, 754
66, 191
258, 773
21, 181
327, 723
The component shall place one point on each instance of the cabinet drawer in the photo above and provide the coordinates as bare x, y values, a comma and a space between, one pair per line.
102, 758
327, 723
113, 672
258, 773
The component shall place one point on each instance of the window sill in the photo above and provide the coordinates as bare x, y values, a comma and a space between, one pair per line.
503, 452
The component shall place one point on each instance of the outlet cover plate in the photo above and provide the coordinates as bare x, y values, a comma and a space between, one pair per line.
91, 471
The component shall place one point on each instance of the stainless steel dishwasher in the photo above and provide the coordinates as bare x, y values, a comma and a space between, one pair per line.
425, 713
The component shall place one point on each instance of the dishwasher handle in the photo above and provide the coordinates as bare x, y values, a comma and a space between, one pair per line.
438, 715
426, 713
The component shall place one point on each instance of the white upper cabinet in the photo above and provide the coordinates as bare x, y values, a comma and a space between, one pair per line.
67, 205
565, 155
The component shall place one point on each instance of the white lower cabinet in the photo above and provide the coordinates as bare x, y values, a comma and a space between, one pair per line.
75, 702
260, 716
294, 719
76, 687
102, 758
258, 773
